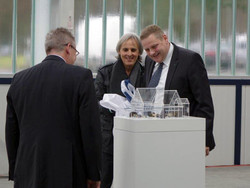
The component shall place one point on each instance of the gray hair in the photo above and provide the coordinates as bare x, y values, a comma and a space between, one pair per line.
56, 39
125, 38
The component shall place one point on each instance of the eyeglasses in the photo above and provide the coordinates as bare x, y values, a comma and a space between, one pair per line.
77, 53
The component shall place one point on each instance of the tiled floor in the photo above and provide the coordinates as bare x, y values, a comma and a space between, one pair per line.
4, 183
216, 177
228, 177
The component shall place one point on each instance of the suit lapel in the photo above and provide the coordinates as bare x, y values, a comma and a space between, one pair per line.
172, 67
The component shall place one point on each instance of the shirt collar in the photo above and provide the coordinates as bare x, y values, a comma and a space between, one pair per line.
166, 61
169, 55
58, 56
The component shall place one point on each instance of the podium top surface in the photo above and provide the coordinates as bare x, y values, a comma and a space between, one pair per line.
159, 125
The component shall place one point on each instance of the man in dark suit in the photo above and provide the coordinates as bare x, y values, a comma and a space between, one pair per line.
53, 135
183, 70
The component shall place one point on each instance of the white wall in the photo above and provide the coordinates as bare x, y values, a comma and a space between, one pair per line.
245, 126
3, 154
224, 126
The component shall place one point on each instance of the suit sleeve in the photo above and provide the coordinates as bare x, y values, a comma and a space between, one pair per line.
11, 134
202, 95
90, 127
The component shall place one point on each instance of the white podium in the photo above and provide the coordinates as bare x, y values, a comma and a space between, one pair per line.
152, 153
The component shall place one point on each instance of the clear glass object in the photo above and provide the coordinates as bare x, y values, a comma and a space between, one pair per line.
156, 103
186, 106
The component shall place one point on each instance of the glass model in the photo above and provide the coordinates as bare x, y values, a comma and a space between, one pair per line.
157, 103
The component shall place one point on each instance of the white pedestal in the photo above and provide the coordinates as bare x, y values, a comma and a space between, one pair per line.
152, 153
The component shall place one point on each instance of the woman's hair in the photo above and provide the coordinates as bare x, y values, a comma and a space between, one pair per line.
125, 38
58, 38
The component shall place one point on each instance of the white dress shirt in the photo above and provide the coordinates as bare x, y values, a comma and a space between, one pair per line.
164, 73
161, 85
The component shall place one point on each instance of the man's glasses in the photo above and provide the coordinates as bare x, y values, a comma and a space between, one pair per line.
77, 53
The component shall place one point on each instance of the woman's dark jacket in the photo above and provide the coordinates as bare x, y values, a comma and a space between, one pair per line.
108, 80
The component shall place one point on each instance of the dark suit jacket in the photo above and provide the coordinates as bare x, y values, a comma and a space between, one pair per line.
187, 75
52, 126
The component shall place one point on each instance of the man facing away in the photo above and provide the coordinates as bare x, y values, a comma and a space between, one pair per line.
182, 70
53, 134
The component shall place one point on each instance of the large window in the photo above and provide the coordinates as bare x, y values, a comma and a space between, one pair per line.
219, 30
23, 35
5, 36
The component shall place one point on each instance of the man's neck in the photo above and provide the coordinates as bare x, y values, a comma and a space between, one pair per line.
59, 54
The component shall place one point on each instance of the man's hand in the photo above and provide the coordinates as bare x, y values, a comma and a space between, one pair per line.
207, 151
93, 184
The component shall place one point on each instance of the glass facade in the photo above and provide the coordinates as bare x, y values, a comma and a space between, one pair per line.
23, 35
79, 28
195, 26
162, 14
95, 35
112, 30
6, 10
226, 38
217, 29
241, 37
130, 16
210, 37
179, 7
146, 13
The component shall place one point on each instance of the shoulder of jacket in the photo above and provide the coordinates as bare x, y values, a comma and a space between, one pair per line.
24, 72
106, 68
184, 50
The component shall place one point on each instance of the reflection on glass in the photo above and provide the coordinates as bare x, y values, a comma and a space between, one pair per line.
5, 39
179, 22
79, 28
195, 25
113, 26
163, 14
130, 16
146, 13
210, 42
95, 35
226, 37
23, 59
241, 53
241, 38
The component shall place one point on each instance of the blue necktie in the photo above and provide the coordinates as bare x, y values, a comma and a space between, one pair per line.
156, 76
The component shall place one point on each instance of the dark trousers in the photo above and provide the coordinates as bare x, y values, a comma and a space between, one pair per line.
107, 170
107, 159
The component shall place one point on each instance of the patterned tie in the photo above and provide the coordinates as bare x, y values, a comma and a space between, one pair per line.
156, 76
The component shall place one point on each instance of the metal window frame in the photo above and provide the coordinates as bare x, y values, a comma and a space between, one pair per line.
14, 36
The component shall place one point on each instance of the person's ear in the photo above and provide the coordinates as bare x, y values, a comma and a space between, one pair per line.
165, 37
67, 48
